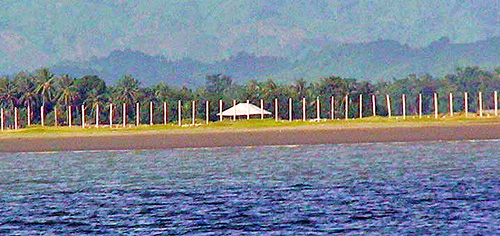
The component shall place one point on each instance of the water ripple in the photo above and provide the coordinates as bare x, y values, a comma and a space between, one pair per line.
399, 188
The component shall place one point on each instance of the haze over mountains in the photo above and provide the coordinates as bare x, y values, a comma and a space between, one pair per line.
375, 60
298, 38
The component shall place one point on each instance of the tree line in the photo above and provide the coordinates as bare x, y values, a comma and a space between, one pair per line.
43, 88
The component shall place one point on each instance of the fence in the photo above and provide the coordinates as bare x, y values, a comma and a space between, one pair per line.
347, 107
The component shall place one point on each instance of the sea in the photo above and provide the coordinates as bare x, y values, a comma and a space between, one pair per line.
421, 188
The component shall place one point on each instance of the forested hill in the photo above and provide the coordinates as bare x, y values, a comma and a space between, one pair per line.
373, 60
186, 72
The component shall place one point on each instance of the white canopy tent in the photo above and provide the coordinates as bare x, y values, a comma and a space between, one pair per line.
243, 109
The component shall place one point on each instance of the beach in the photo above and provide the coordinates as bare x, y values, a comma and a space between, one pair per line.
299, 135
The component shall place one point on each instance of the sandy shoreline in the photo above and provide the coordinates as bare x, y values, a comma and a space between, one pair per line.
255, 137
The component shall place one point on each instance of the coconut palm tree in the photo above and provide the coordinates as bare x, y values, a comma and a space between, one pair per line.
8, 93
127, 89
95, 98
45, 85
9, 97
161, 91
27, 96
251, 91
66, 90
270, 90
300, 89
26, 89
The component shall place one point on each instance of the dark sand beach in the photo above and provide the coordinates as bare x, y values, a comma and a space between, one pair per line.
251, 137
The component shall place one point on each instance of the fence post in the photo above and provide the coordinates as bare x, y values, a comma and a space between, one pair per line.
374, 111
15, 118
55, 115
220, 110
451, 104
69, 116
480, 104
466, 106
403, 99
419, 105
193, 112
388, 100
111, 115
332, 107
124, 114
42, 116
304, 109
97, 116
137, 115
290, 113
234, 110
207, 108
248, 110
151, 113
318, 109
29, 114
83, 116
436, 109
496, 102
165, 113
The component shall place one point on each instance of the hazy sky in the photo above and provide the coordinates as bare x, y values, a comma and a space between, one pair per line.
41, 33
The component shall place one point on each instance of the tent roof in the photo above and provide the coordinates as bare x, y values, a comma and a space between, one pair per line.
242, 109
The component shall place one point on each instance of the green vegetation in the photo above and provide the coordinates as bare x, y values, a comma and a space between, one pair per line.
244, 125
44, 88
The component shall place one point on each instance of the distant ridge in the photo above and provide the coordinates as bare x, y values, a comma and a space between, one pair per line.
184, 72
372, 60
213, 30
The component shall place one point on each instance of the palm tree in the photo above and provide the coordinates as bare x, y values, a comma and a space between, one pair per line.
8, 96
161, 91
127, 89
126, 92
27, 96
8, 93
45, 88
67, 90
95, 98
270, 90
217, 84
26, 88
251, 91
300, 88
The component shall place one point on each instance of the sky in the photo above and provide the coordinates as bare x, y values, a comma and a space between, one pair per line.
41, 33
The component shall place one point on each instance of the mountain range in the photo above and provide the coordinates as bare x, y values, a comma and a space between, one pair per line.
382, 59
306, 38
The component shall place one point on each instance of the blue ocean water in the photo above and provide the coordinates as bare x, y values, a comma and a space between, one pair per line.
437, 188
